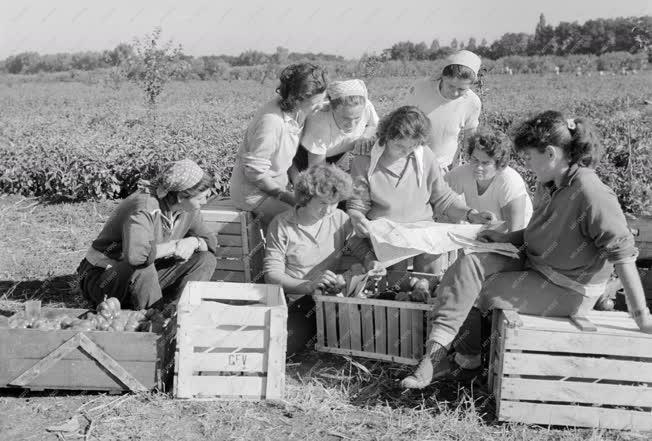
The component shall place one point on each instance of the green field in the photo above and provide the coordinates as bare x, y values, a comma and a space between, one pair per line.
77, 141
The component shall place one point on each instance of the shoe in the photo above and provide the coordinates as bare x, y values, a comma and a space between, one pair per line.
448, 369
423, 375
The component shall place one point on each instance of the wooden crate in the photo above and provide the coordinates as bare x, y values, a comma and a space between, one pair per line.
96, 360
584, 372
381, 329
242, 246
231, 340
641, 228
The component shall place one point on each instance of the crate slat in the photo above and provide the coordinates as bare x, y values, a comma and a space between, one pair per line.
405, 332
230, 265
387, 303
356, 330
224, 227
392, 331
417, 334
227, 362
319, 317
227, 240
384, 357
212, 314
276, 348
219, 216
226, 291
214, 338
521, 363
575, 392
227, 387
344, 326
582, 416
331, 324
367, 327
380, 328
228, 276
228, 252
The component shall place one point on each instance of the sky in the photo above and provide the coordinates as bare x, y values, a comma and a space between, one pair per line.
342, 27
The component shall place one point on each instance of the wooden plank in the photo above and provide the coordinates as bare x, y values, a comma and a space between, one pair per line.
393, 341
578, 342
575, 392
500, 351
367, 317
229, 252
575, 416
386, 303
417, 334
374, 355
230, 240
344, 326
214, 315
245, 247
405, 326
321, 330
224, 291
213, 215
521, 363
232, 228
276, 349
211, 386
46, 362
219, 338
331, 324
111, 365
583, 323
492, 350
36, 344
227, 362
231, 265
356, 328
228, 276
380, 329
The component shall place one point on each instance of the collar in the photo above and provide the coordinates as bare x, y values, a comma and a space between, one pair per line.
377, 151
566, 180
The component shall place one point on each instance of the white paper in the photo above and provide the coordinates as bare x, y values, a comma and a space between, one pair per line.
394, 242
475, 246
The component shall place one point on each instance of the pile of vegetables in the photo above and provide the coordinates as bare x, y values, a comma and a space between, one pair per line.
411, 289
109, 316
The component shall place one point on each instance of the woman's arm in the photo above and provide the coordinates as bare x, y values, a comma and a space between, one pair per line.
514, 213
314, 159
290, 284
636, 303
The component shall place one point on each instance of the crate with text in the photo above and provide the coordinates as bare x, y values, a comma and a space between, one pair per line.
231, 340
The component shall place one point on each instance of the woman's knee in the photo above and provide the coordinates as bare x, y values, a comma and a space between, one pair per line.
206, 260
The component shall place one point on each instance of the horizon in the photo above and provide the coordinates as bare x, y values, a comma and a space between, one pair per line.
36, 27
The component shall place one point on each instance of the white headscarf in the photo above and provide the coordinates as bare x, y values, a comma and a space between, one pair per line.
465, 58
340, 89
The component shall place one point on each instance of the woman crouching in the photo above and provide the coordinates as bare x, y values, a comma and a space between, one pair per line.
305, 245
155, 240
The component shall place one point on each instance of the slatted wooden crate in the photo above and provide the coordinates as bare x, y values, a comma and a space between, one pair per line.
641, 228
381, 329
242, 247
231, 341
95, 360
572, 372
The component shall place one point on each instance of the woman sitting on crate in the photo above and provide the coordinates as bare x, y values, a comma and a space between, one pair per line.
260, 175
488, 183
349, 120
305, 245
155, 239
401, 180
576, 236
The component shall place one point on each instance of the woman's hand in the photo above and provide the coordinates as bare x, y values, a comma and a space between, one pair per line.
645, 324
326, 280
185, 248
481, 217
492, 236
375, 269
287, 197
362, 146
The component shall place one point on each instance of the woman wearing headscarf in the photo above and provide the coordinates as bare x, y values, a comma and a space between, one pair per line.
155, 239
349, 120
259, 182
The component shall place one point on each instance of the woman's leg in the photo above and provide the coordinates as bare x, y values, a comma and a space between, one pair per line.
199, 267
436, 264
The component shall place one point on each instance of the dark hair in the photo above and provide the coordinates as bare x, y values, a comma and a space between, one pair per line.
351, 100
204, 184
298, 82
577, 137
494, 143
404, 122
325, 181
459, 71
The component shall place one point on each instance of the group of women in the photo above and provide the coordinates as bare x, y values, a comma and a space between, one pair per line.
316, 165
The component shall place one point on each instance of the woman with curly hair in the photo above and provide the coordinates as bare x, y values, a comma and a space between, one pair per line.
576, 236
400, 180
260, 174
488, 183
305, 244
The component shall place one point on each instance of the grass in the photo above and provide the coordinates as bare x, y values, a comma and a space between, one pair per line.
327, 397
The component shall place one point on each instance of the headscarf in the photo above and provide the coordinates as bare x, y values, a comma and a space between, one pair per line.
465, 58
177, 176
340, 89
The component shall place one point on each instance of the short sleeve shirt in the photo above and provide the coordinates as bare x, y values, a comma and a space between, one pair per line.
506, 186
322, 136
448, 117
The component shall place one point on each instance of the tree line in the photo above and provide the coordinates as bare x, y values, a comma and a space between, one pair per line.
599, 37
